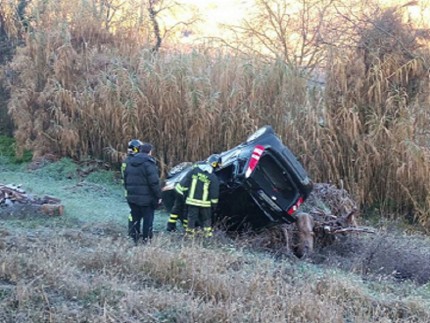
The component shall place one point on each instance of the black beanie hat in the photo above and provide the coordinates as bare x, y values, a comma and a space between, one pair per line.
146, 148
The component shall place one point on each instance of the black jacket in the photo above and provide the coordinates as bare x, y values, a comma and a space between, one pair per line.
141, 180
200, 186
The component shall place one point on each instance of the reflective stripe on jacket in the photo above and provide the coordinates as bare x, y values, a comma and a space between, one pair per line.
200, 187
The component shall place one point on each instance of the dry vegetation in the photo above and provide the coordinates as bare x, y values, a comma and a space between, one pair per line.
86, 81
93, 274
83, 85
86, 78
81, 268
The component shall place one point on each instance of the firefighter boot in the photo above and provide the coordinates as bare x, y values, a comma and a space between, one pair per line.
171, 223
207, 232
190, 233
185, 224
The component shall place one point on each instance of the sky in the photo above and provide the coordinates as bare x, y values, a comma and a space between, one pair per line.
214, 13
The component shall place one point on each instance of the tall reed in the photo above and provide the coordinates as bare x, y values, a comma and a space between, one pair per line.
81, 87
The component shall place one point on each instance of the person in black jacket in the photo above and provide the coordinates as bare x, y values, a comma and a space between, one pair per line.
142, 185
200, 189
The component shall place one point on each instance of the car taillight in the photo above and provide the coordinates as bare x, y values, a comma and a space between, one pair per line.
255, 157
295, 206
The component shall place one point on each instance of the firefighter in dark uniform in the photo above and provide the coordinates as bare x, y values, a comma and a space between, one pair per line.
142, 185
200, 190
178, 212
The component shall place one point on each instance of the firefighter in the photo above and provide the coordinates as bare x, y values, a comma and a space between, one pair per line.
200, 191
178, 212
132, 149
142, 185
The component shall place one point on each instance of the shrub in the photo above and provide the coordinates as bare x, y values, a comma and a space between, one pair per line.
101, 177
64, 168
7, 151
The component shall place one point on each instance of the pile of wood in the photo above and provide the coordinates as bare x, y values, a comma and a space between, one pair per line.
12, 196
327, 213
334, 210
331, 211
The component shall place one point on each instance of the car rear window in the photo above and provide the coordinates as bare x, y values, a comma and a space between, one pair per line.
276, 175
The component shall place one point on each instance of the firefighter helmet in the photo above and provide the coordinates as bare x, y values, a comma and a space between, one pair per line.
134, 146
214, 160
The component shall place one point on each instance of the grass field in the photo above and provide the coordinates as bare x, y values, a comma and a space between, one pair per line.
94, 199
82, 268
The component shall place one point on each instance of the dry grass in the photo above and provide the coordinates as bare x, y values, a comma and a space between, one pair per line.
81, 268
82, 275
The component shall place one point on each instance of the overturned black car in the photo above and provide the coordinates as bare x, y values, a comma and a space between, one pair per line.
261, 183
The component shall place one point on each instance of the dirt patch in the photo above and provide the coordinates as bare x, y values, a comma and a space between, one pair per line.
381, 256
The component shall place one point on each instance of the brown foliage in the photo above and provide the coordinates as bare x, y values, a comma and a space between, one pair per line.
79, 88
374, 98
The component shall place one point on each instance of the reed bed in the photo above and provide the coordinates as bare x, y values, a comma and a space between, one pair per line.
83, 86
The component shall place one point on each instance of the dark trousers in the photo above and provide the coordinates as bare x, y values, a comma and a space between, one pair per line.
139, 213
179, 207
199, 215
178, 212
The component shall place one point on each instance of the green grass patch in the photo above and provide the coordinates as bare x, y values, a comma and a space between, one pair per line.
65, 168
97, 198
8, 152
102, 177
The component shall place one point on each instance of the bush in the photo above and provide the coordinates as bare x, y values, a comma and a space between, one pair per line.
64, 168
7, 151
101, 177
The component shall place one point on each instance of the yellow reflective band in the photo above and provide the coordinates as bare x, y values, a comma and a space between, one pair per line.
189, 231
185, 221
193, 187
172, 220
214, 201
205, 191
208, 232
173, 216
195, 202
180, 189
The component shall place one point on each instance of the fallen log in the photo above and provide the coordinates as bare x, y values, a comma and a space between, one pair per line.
351, 230
52, 209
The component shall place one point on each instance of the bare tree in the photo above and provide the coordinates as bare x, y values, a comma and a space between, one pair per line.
292, 32
158, 11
